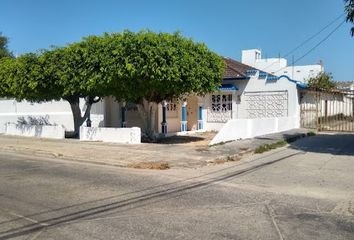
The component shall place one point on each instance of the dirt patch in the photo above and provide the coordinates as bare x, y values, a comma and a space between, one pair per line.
150, 165
231, 158
198, 139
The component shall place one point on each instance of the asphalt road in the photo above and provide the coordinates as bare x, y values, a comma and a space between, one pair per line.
304, 191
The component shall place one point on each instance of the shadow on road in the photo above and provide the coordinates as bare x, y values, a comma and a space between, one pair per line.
116, 204
332, 143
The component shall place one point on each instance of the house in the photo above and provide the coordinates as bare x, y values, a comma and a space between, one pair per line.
279, 66
345, 86
246, 95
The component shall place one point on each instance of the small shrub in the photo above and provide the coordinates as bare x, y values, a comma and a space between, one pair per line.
311, 133
150, 165
268, 147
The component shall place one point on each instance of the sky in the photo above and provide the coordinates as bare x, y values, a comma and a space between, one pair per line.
225, 26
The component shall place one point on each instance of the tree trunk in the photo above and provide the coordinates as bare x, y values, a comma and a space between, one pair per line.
76, 111
147, 112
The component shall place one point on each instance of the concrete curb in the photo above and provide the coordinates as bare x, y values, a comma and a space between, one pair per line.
238, 156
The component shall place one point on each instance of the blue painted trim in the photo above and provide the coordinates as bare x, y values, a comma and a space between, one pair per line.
200, 112
184, 113
251, 72
227, 87
184, 119
298, 83
272, 78
184, 126
240, 78
200, 121
200, 124
262, 75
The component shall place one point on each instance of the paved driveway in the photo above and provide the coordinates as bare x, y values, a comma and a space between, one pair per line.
304, 191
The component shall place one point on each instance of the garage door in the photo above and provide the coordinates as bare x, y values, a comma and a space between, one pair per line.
267, 104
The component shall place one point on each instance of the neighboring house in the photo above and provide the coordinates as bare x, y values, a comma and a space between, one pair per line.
279, 66
245, 94
346, 86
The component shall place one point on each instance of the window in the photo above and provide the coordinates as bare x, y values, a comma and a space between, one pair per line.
221, 108
172, 109
221, 103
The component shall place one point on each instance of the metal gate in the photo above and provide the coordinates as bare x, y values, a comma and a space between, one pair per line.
327, 110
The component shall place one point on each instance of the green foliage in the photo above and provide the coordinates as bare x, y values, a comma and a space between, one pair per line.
268, 147
349, 9
76, 70
322, 81
135, 67
311, 133
6, 71
4, 51
162, 66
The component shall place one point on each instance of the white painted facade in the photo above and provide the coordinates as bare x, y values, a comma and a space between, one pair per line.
54, 132
249, 128
52, 113
113, 135
279, 66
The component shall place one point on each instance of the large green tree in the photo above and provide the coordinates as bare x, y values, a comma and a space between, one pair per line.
74, 72
145, 68
162, 66
4, 51
82, 71
349, 9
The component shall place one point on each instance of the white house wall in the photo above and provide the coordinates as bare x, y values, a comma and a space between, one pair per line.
239, 105
279, 66
55, 112
262, 85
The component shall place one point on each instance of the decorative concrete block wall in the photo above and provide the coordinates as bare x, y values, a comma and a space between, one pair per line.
43, 131
114, 135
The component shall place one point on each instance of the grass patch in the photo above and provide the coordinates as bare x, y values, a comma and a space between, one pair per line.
221, 143
311, 133
268, 147
150, 165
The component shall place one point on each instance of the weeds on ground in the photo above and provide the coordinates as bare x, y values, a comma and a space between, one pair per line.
150, 165
221, 143
311, 133
268, 147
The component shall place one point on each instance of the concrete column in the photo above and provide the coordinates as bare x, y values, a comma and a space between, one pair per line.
123, 113
164, 118
184, 117
200, 120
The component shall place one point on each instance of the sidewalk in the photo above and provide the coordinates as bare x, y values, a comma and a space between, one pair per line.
176, 153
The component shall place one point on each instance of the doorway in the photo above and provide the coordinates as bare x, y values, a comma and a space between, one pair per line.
192, 113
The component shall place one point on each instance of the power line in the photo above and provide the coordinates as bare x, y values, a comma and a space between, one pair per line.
308, 39
317, 45
314, 35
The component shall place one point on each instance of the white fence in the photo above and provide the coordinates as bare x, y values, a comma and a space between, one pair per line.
236, 129
114, 135
43, 131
